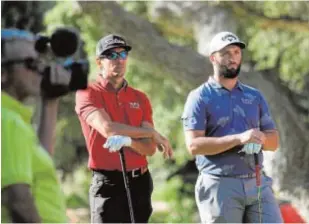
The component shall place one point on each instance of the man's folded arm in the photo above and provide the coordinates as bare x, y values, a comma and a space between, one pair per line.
100, 120
198, 144
144, 146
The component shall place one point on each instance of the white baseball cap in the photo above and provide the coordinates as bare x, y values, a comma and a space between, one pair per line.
223, 39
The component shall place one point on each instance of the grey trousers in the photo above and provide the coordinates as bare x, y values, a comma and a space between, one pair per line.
234, 200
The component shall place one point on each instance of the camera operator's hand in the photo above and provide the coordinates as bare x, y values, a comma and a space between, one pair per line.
55, 82
48, 120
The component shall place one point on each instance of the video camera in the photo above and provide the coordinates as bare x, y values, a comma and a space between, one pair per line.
64, 72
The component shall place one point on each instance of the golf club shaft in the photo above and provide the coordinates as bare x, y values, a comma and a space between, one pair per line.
258, 183
126, 184
257, 170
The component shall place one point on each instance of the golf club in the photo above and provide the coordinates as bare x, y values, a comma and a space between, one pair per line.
126, 184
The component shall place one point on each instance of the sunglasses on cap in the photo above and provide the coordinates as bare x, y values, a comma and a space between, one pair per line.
113, 55
30, 63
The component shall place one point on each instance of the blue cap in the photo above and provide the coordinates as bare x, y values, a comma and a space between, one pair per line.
12, 33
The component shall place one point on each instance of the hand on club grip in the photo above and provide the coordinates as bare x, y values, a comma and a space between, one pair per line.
251, 148
116, 142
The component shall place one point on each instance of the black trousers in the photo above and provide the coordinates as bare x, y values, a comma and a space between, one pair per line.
108, 198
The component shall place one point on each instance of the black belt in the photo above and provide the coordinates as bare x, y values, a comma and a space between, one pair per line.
132, 173
242, 176
248, 175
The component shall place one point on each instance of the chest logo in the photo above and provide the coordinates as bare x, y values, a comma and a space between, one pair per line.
134, 105
247, 101
223, 121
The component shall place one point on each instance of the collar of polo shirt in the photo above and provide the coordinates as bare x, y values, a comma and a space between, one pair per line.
217, 85
108, 86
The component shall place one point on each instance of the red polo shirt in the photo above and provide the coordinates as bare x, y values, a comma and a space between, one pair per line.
127, 106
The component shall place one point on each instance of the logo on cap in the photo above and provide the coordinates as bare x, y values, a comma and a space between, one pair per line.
115, 41
229, 37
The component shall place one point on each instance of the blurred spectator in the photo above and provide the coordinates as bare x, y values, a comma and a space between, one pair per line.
29, 187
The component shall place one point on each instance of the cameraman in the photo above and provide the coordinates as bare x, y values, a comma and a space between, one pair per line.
29, 186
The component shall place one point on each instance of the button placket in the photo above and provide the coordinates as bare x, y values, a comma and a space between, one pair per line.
231, 108
119, 102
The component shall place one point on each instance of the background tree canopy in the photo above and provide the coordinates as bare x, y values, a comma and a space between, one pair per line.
169, 58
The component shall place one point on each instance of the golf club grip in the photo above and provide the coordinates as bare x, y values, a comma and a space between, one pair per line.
257, 169
126, 184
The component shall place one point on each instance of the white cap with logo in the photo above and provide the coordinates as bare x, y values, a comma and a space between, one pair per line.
223, 39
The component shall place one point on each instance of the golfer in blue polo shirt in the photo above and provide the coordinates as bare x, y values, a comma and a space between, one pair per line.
226, 123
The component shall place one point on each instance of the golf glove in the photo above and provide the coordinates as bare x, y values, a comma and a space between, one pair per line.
251, 148
116, 142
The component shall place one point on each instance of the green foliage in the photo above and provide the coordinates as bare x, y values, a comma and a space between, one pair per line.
136, 7
76, 187
175, 31
276, 9
75, 200
284, 50
271, 44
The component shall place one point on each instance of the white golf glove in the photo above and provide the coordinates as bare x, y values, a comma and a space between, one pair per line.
116, 142
251, 148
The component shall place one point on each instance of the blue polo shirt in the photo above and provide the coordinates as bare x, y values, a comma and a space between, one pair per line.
220, 112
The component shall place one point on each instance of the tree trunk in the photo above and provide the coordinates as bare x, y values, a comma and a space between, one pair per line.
288, 167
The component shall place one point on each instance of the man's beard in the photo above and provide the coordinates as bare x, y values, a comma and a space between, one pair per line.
229, 73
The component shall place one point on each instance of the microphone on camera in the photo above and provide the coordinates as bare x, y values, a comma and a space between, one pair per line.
64, 42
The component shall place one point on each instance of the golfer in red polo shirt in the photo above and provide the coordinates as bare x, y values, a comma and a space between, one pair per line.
114, 115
